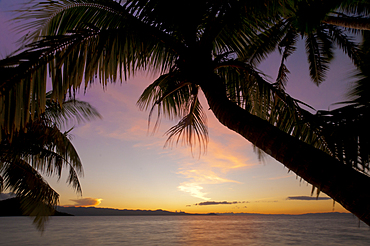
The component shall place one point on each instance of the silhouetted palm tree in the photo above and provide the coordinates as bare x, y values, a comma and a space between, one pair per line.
212, 46
41, 148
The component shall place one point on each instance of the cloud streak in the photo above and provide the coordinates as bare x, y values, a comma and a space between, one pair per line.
199, 177
211, 169
85, 202
307, 198
194, 189
218, 203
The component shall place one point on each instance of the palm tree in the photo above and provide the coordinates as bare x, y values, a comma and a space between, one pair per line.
41, 148
214, 49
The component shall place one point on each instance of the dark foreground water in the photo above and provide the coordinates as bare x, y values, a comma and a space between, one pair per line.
340, 229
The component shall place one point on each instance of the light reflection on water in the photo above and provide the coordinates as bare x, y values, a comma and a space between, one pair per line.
188, 230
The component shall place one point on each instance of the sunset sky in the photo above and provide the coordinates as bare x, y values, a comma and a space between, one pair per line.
126, 166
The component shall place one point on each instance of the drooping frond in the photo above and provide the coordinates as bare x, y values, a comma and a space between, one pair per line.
286, 48
177, 99
266, 43
347, 133
359, 93
345, 43
70, 111
237, 31
169, 93
192, 129
37, 197
47, 150
319, 53
355, 7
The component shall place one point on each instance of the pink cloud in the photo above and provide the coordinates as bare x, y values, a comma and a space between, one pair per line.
85, 202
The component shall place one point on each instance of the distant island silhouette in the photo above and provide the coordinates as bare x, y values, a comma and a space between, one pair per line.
11, 207
94, 211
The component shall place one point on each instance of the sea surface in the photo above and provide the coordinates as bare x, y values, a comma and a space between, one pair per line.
337, 229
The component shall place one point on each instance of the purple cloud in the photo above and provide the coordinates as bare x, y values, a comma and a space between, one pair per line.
218, 203
307, 198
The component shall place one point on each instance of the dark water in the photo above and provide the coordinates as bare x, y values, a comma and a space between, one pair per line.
342, 229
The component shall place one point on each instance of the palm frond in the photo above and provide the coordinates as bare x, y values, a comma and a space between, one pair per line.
192, 129
286, 48
38, 198
49, 17
177, 99
319, 53
237, 31
70, 111
47, 150
359, 93
169, 93
266, 43
355, 7
345, 43
347, 134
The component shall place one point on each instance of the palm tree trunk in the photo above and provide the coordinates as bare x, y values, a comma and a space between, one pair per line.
348, 22
342, 183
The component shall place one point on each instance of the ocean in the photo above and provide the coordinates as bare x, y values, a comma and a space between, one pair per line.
315, 229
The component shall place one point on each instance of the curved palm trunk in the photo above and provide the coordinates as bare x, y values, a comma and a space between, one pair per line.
349, 22
340, 182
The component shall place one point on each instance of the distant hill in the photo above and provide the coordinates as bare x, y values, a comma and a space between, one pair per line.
12, 207
93, 211
302, 215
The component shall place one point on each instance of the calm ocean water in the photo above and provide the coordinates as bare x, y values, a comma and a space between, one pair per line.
188, 230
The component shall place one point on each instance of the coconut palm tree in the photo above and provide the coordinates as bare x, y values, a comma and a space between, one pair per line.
208, 46
41, 148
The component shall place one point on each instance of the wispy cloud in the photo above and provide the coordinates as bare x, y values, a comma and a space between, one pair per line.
307, 198
85, 202
218, 203
212, 168
205, 177
198, 178
194, 189
265, 201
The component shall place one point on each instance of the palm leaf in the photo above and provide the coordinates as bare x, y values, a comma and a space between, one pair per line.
318, 56
286, 48
266, 43
192, 129
345, 43
38, 198
71, 110
347, 134
47, 150
178, 100
359, 93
